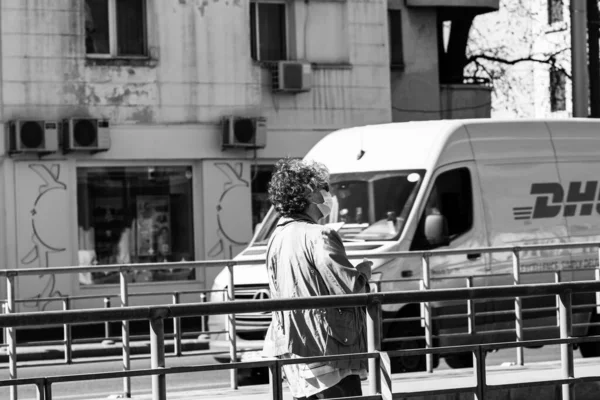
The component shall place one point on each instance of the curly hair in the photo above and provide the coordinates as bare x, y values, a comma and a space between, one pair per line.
292, 182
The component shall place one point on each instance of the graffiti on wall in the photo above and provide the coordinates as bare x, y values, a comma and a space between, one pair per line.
41, 237
229, 234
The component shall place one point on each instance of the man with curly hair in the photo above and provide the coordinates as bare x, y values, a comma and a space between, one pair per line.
306, 259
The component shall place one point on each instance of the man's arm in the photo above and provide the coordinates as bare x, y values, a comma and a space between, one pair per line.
331, 261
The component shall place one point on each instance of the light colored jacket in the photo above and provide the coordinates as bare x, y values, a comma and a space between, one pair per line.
305, 259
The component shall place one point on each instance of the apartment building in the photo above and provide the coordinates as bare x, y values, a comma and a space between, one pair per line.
142, 131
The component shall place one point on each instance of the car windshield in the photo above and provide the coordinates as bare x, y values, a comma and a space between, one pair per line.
366, 206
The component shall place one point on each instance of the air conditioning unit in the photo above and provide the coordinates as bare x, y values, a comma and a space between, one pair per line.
292, 76
244, 132
33, 136
85, 134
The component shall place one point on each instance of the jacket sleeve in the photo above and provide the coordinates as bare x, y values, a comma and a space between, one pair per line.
340, 276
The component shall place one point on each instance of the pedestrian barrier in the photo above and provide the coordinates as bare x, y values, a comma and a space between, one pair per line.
425, 283
379, 371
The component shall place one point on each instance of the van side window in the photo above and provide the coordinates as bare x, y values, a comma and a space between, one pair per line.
452, 197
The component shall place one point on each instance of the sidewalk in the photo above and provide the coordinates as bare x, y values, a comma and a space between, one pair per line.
56, 352
442, 379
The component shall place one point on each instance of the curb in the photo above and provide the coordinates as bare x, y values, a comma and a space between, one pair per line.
39, 353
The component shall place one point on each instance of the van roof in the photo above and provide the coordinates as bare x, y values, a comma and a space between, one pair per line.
425, 144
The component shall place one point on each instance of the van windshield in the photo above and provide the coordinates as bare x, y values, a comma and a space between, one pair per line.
366, 206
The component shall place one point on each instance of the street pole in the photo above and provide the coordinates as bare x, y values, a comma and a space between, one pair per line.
593, 16
579, 64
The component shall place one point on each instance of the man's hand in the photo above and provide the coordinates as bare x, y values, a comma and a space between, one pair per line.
365, 268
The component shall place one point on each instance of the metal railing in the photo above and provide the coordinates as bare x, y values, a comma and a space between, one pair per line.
380, 386
426, 280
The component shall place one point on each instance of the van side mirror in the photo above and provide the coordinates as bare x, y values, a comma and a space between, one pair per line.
436, 230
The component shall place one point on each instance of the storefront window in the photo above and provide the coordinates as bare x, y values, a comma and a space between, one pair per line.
261, 176
135, 215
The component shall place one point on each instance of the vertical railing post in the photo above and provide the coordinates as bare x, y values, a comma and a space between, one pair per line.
518, 305
41, 389
374, 344
426, 317
4, 335
107, 324
480, 374
470, 308
557, 279
68, 342
157, 355
231, 329
11, 333
125, 333
597, 276
203, 318
47, 390
176, 329
275, 381
566, 349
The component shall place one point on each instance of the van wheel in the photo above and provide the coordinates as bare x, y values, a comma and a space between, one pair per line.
591, 349
460, 360
409, 363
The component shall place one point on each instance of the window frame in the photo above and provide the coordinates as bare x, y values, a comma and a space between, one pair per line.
286, 19
395, 65
554, 5
113, 40
421, 219
196, 217
561, 77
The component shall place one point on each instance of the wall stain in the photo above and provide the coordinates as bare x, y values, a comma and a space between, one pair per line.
145, 115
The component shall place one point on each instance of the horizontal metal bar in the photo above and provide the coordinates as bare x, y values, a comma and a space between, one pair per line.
258, 261
403, 395
240, 307
406, 319
128, 267
552, 382
183, 369
366, 397
539, 342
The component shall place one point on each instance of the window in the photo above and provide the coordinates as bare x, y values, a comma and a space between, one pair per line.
395, 38
558, 87
268, 31
115, 28
261, 176
452, 197
368, 206
555, 11
135, 215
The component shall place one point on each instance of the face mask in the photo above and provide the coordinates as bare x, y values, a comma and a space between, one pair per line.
327, 204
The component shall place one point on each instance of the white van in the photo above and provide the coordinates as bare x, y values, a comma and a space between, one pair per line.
495, 183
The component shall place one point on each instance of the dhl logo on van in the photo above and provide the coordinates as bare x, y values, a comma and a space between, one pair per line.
551, 201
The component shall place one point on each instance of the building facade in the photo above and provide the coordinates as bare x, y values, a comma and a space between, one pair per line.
143, 131
526, 30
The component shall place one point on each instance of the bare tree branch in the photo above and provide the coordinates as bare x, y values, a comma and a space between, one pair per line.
549, 59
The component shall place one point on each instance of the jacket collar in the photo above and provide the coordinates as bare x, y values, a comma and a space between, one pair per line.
294, 218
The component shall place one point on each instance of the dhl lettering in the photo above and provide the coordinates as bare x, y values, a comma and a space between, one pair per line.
550, 201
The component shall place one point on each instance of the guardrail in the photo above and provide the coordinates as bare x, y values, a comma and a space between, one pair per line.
379, 371
426, 280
